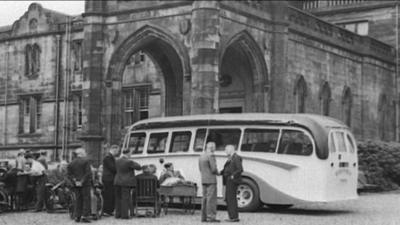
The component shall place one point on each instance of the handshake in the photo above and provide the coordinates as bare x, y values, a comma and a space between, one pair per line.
221, 173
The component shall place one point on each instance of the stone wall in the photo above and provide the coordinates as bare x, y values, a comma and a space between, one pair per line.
367, 79
381, 17
45, 31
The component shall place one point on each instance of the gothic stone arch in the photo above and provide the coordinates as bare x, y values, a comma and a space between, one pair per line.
256, 99
169, 55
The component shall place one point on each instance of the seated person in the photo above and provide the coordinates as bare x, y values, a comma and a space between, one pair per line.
58, 179
170, 176
149, 172
9, 179
58, 175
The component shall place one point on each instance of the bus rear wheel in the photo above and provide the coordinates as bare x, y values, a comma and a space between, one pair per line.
248, 196
278, 206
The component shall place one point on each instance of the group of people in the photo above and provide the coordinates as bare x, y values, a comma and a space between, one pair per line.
25, 180
118, 180
231, 178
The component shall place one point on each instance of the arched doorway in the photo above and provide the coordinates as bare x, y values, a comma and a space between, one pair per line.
147, 73
300, 92
143, 89
243, 76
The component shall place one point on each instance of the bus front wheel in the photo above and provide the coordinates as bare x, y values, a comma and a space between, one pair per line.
248, 196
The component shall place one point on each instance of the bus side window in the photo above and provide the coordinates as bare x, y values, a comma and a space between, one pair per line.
199, 140
224, 137
294, 142
180, 141
332, 145
260, 140
157, 143
350, 143
136, 143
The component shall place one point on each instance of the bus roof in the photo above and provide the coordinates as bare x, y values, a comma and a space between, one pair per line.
318, 125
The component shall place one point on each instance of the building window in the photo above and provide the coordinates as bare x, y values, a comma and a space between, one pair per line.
32, 60
347, 101
35, 59
138, 58
300, 93
77, 111
77, 55
325, 97
143, 102
28, 60
359, 27
129, 108
30, 114
33, 25
136, 104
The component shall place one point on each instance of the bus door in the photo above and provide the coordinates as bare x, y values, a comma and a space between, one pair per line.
343, 162
343, 149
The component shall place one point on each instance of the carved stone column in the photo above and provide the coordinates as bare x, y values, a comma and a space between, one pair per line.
279, 68
204, 57
93, 80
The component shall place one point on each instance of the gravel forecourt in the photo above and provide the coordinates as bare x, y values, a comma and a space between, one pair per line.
368, 209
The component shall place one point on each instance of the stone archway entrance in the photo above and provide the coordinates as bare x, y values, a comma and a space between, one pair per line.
243, 76
163, 89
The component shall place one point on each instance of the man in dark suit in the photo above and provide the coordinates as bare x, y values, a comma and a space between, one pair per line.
125, 184
80, 174
232, 174
108, 176
209, 172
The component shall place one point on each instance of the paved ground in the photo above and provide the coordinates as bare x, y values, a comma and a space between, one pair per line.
369, 209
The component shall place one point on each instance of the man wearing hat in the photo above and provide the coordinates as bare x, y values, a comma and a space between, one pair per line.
125, 184
22, 181
209, 171
37, 172
80, 174
20, 161
108, 179
232, 175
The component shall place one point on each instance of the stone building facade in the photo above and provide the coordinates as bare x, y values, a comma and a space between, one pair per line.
79, 81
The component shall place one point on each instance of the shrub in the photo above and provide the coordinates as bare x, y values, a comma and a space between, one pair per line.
380, 161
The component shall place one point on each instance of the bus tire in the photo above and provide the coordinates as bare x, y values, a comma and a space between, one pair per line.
279, 206
248, 196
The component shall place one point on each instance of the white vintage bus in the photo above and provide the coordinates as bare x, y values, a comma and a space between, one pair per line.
287, 158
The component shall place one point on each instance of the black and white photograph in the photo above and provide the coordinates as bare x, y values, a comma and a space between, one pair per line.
185, 112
